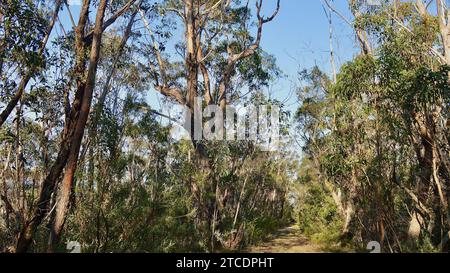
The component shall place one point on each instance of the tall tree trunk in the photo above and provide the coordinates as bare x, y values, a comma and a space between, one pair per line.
62, 203
49, 184
192, 30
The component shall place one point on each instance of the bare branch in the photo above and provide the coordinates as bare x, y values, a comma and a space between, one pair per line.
111, 20
249, 51
261, 21
332, 8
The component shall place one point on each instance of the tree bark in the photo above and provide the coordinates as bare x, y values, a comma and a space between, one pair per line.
49, 183
62, 203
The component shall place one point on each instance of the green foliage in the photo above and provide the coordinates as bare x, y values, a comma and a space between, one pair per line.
318, 216
22, 30
356, 78
366, 136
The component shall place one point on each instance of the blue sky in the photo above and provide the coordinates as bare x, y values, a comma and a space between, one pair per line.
298, 38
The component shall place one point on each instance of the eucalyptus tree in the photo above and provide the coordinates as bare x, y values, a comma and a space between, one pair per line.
83, 75
216, 58
216, 45
383, 128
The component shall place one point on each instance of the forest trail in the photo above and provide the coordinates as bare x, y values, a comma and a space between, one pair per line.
287, 240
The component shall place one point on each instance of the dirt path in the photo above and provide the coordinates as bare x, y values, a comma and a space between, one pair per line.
287, 240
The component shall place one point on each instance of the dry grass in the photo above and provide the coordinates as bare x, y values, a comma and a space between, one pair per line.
287, 240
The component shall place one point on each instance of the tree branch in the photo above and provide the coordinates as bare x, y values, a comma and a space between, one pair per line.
110, 21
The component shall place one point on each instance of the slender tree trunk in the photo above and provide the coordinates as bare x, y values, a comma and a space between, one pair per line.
62, 203
48, 185
191, 54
